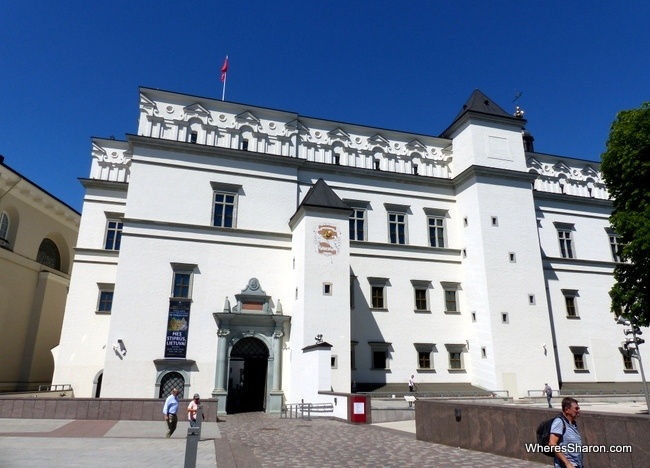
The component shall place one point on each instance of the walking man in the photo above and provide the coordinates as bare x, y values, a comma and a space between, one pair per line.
170, 410
548, 392
412, 384
564, 432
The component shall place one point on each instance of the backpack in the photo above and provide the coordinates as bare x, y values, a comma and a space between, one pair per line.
544, 433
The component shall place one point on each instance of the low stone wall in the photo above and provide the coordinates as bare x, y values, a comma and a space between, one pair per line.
505, 429
96, 408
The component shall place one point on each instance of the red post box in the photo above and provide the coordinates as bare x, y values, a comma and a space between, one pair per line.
359, 409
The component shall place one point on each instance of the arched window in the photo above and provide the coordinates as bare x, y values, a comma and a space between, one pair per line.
4, 228
172, 380
48, 254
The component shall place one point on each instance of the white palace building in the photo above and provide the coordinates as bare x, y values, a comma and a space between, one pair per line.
259, 256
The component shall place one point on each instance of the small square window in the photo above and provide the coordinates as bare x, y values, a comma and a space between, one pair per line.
327, 289
334, 362
513, 257
473, 316
504, 317
483, 352
495, 221
531, 299
465, 222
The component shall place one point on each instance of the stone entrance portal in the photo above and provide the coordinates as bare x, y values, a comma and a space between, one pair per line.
249, 352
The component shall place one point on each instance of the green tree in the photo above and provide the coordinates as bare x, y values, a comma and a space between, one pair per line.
626, 170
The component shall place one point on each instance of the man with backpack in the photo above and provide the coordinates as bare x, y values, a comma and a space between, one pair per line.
564, 432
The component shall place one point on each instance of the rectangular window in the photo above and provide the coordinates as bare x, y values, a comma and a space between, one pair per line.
451, 305
105, 301
570, 301
225, 205
579, 358
358, 224
327, 289
628, 364
379, 354
421, 299
424, 360
182, 284
113, 234
579, 361
566, 243
379, 360
455, 360
333, 362
353, 354
436, 231
397, 228
378, 299
615, 247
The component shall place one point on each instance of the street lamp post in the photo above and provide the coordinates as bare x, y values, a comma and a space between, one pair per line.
631, 345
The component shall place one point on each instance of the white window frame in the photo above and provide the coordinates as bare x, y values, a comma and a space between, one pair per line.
579, 352
359, 214
225, 190
571, 303
379, 284
421, 286
178, 270
105, 288
565, 239
454, 349
429, 348
614, 245
117, 230
448, 289
397, 215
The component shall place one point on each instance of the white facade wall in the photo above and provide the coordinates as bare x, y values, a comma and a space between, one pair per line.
501, 253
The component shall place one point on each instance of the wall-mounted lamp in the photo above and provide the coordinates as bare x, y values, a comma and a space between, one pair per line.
120, 348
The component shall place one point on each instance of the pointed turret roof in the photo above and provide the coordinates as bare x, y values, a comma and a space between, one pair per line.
479, 103
322, 196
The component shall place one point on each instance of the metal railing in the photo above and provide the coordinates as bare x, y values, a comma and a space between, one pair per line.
304, 410
606, 392
424, 394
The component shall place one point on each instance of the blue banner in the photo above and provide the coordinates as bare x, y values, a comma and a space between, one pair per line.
177, 326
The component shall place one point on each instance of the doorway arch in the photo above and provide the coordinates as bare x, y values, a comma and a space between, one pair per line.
247, 376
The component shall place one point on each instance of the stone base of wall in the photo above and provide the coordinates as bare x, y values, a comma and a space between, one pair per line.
505, 429
95, 408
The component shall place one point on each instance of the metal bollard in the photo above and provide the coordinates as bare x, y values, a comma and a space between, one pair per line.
192, 446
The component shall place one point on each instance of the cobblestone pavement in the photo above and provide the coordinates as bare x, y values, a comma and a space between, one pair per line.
259, 440
248, 440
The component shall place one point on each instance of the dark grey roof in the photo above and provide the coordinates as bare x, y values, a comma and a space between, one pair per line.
479, 103
322, 196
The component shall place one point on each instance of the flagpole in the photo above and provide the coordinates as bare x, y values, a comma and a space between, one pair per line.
224, 76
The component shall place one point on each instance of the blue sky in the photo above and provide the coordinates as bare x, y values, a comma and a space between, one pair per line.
71, 70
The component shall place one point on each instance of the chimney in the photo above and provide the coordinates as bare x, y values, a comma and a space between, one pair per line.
528, 142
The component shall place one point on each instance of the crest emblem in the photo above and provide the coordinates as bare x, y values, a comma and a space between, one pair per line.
327, 239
